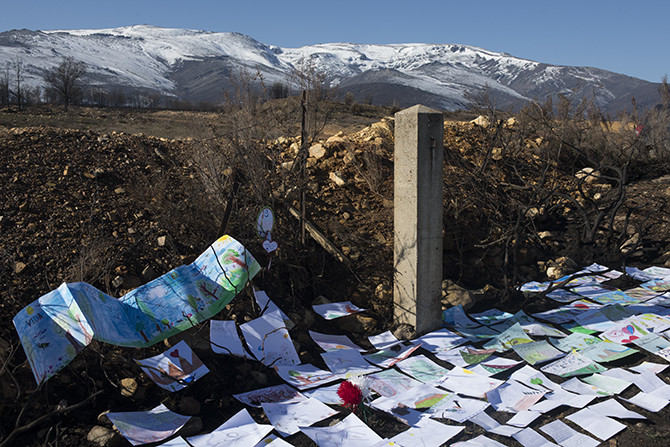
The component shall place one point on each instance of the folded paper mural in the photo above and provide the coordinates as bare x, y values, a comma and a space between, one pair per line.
57, 326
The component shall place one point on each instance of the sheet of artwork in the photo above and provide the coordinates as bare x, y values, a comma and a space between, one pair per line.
390, 382
224, 339
563, 296
428, 433
391, 355
612, 385
287, 418
439, 341
58, 325
512, 397
615, 297
329, 342
494, 365
347, 362
403, 413
460, 409
349, 432
422, 368
305, 376
575, 385
239, 431
269, 340
174, 369
276, 393
478, 334
657, 285
573, 364
383, 340
537, 352
641, 293
625, 331
143, 427
559, 315
326, 394
423, 397
575, 341
267, 305
491, 316
514, 335
330, 311
455, 317
464, 356
533, 378
607, 351
468, 383
491, 425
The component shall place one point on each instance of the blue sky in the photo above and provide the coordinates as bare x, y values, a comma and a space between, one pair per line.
622, 36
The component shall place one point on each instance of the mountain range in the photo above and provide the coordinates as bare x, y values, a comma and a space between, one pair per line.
198, 66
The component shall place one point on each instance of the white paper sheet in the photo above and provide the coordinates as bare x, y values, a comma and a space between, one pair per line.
602, 427
383, 340
349, 432
267, 305
142, 427
224, 339
239, 436
479, 441
460, 409
468, 383
390, 382
269, 340
287, 418
326, 394
523, 418
276, 393
347, 362
566, 436
530, 438
329, 342
439, 341
491, 425
422, 368
428, 433
330, 311
175, 368
513, 397
306, 376
649, 402
612, 407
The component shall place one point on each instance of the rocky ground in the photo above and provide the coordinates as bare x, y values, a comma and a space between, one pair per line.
117, 209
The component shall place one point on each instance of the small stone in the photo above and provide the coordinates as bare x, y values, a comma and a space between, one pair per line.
317, 151
337, 178
103, 437
117, 282
119, 190
455, 295
404, 331
104, 420
128, 387
161, 241
19, 267
189, 406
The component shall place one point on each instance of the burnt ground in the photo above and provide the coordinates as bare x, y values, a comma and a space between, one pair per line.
117, 209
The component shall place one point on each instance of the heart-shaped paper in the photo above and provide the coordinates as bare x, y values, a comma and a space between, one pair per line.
270, 246
175, 353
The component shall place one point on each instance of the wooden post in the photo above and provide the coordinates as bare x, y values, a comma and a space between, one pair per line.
418, 184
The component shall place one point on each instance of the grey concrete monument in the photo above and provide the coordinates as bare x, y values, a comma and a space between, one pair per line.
418, 185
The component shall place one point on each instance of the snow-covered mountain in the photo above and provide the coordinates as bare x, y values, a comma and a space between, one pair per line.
197, 66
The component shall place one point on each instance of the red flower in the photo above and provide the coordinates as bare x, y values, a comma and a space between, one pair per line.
351, 395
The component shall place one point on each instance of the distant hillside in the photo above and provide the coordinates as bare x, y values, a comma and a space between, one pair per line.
197, 66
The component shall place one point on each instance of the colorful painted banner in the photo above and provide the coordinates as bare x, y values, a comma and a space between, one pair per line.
57, 326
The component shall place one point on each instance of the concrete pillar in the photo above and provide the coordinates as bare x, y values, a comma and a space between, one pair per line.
417, 253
